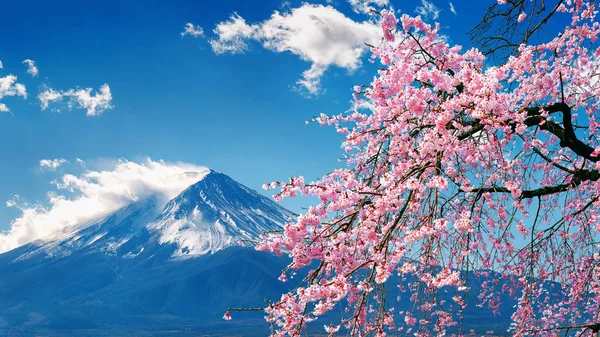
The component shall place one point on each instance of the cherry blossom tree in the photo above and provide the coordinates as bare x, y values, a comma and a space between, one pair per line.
460, 167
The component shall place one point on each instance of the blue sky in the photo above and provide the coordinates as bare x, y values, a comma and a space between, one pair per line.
174, 98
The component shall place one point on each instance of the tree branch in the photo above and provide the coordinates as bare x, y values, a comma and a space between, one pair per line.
578, 177
566, 133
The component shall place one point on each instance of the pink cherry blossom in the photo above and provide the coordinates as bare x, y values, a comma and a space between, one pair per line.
460, 165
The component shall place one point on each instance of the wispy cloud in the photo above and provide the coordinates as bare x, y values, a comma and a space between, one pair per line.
452, 9
311, 79
365, 6
51, 164
10, 87
233, 34
94, 104
317, 34
48, 96
428, 10
79, 98
82, 199
286, 4
193, 31
31, 67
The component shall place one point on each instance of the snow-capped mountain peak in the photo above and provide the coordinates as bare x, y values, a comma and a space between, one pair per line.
214, 213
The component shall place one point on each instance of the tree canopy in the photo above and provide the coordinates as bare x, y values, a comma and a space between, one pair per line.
458, 167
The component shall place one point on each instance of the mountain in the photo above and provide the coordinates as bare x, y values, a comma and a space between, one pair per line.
151, 265
212, 214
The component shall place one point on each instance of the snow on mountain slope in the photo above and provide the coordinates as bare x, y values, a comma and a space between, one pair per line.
214, 213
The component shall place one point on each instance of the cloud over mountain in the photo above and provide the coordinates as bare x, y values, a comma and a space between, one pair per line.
81, 199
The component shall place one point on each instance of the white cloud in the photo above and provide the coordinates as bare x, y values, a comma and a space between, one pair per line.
12, 202
311, 78
285, 5
96, 104
10, 87
317, 34
79, 98
452, 9
51, 164
232, 35
1, 65
361, 105
427, 10
191, 30
49, 95
365, 6
83, 199
31, 67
